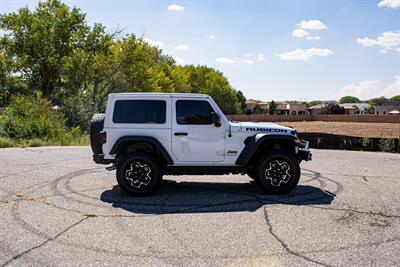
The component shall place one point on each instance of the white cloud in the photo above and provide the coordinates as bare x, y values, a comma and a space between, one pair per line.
365, 89
393, 89
300, 33
304, 54
249, 55
225, 60
387, 40
154, 43
182, 47
175, 7
309, 25
312, 25
179, 61
313, 38
211, 36
249, 61
260, 57
398, 49
389, 3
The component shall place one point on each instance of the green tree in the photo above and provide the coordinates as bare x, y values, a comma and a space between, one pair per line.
313, 103
206, 80
257, 109
242, 101
395, 98
373, 102
349, 99
377, 101
132, 65
333, 108
53, 50
272, 108
41, 43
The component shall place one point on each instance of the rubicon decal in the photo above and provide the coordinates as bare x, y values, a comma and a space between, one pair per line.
273, 130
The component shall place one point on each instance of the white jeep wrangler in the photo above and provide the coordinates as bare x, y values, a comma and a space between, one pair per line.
147, 135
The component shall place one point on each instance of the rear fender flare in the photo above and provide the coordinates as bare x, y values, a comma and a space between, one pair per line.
135, 138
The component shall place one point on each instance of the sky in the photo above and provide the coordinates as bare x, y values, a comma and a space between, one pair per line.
270, 50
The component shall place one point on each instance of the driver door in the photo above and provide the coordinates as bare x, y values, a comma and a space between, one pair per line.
195, 138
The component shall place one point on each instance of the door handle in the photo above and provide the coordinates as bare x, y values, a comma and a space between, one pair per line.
181, 134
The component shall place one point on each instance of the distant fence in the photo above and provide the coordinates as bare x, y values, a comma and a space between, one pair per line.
338, 118
344, 142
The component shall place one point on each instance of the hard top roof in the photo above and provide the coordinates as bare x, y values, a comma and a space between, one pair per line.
176, 95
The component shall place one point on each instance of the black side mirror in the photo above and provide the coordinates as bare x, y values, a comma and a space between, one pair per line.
216, 119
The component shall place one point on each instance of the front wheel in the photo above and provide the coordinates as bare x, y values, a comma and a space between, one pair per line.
139, 173
278, 172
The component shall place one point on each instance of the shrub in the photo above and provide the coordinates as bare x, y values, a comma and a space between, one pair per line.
28, 118
387, 145
77, 112
367, 144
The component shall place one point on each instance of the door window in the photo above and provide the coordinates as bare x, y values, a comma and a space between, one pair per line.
193, 112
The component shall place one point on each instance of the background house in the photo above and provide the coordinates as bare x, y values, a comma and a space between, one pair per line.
349, 108
356, 108
291, 108
387, 107
317, 109
252, 103
282, 107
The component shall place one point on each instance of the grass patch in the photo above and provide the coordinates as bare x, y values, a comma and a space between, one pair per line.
82, 140
6, 142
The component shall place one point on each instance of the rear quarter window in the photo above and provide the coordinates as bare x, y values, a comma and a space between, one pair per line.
139, 111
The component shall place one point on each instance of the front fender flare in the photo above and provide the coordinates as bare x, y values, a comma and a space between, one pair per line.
257, 140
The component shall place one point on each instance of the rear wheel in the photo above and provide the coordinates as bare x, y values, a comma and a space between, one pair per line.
139, 173
278, 172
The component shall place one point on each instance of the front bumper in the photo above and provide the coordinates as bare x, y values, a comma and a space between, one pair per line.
304, 152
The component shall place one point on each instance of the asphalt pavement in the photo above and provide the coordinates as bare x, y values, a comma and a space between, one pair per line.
58, 208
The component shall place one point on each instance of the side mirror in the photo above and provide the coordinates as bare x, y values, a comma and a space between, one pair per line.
216, 119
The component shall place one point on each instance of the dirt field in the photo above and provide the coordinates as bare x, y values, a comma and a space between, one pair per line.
362, 129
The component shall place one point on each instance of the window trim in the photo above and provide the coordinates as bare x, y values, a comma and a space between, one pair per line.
199, 100
146, 123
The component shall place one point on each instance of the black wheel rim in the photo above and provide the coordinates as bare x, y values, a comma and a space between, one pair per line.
137, 174
278, 171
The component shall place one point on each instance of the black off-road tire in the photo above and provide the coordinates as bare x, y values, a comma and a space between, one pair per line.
139, 173
277, 172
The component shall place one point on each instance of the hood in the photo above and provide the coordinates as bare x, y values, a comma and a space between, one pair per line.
265, 127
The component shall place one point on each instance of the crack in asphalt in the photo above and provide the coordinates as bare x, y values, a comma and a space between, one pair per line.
284, 245
391, 216
25, 252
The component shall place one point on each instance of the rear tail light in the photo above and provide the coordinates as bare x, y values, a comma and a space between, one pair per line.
103, 137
